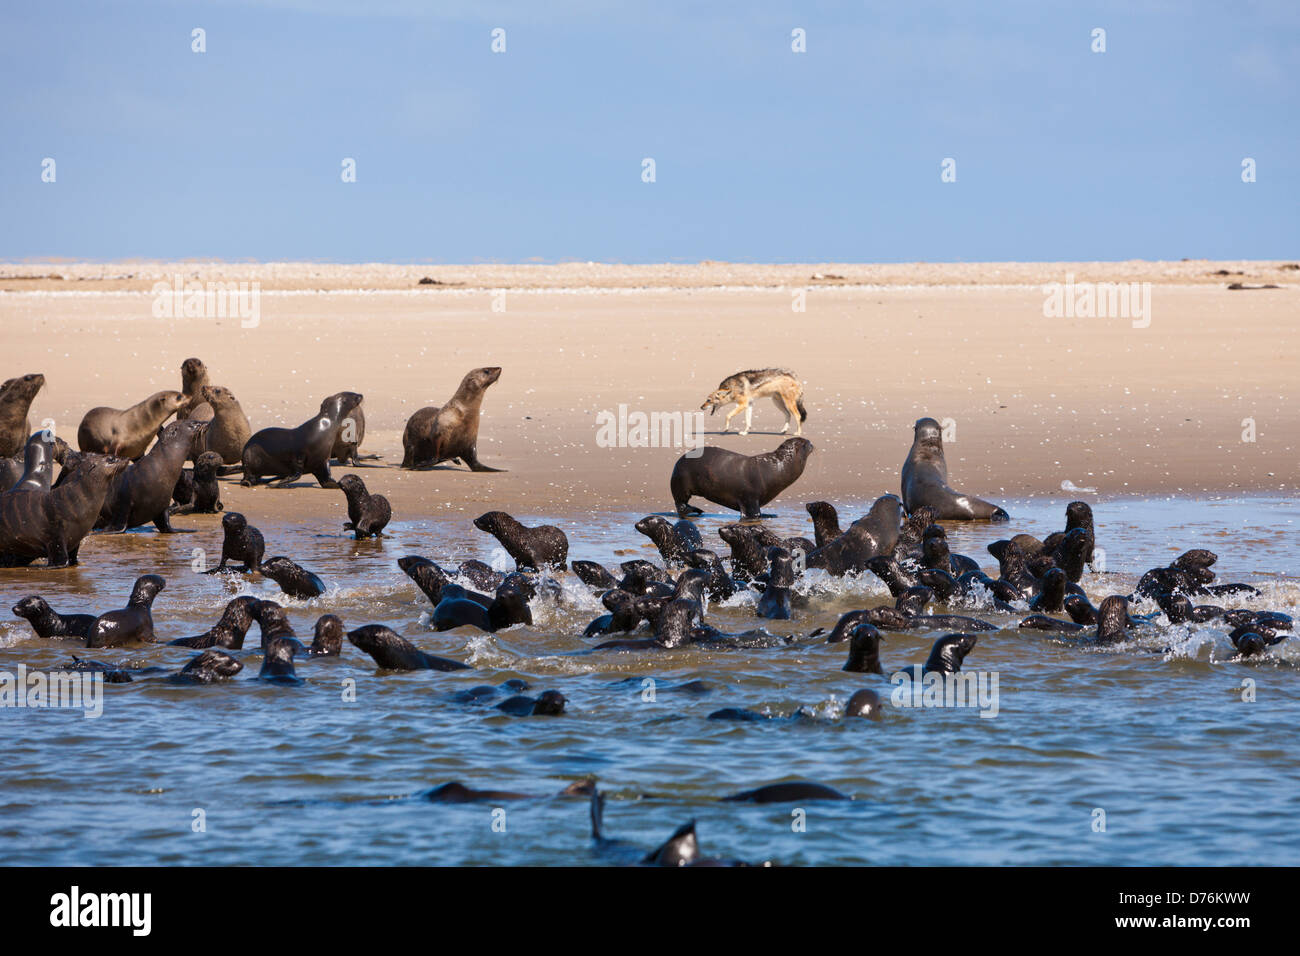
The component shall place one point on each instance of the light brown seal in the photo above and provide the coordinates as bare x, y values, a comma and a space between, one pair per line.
127, 433
449, 433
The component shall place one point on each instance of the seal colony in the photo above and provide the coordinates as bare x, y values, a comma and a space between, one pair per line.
129, 467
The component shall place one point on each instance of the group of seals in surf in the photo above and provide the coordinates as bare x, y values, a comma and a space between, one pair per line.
129, 471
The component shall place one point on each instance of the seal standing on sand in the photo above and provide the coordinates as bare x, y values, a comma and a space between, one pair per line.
352, 432
532, 548
288, 453
925, 480
742, 482
126, 433
367, 514
194, 376
242, 542
433, 434
16, 397
229, 431
144, 491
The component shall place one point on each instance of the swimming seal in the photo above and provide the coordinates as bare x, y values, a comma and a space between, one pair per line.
434, 435
229, 430
544, 546
864, 650
48, 623
742, 482
680, 849
925, 480
133, 623
775, 601
367, 514
674, 541
277, 661
395, 653
864, 703
16, 396
143, 493
229, 632
289, 453
52, 524
207, 668
241, 542
127, 433
871, 536
327, 639
786, 793
294, 580
550, 703
826, 522
949, 652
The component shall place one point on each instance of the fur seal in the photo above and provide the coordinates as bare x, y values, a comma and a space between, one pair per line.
352, 433
229, 632
48, 623
1112, 620
674, 541
594, 575
544, 546
241, 542
925, 480
549, 703
273, 621
864, 703
143, 493
127, 433
206, 489
277, 660
289, 453
294, 580
680, 849
35, 470
864, 650
871, 536
826, 522
207, 668
16, 396
131, 624
52, 524
622, 617
327, 637
786, 793
721, 585
367, 514
194, 376
775, 601
229, 430
508, 607
434, 435
395, 653
426, 574
741, 482
949, 652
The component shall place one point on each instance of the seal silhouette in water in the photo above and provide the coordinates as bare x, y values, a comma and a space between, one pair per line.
52, 524
241, 542
674, 541
367, 514
48, 623
16, 396
395, 653
549, 703
544, 546
450, 433
126, 433
925, 480
143, 493
294, 580
133, 623
742, 482
289, 453
228, 632
786, 793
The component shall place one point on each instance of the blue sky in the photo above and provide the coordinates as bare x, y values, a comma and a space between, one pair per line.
761, 154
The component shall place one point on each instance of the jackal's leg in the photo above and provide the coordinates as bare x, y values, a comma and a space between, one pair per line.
791, 409
726, 426
749, 418
779, 401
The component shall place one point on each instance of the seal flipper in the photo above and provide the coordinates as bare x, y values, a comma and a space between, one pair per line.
681, 849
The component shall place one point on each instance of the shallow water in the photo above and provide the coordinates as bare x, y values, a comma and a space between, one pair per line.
1154, 731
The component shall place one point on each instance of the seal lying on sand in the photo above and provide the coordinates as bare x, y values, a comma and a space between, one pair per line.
742, 482
289, 453
925, 480
450, 433
127, 433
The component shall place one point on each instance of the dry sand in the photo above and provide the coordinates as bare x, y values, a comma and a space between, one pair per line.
1036, 401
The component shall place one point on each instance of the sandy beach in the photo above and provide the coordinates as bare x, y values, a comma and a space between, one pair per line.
1035, 401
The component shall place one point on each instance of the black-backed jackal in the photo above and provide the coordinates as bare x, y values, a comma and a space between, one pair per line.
781, 384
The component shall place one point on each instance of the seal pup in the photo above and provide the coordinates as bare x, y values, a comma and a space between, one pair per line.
229, 631
775, 601
16, 396
293, 579
864, 703
229, 430
241, 542
289, 453
622, 618
426, 574
52, 524
544, 546
450, 433
327, 637
393, 652
198, 491
207, 668
277, 661
194, 376
826, 522
743, 483
273, 621
133, 623
864, 650
367, 514
871, 536
49, 623
143, 493
126, 433
680, 849
674, 541
594, 575
1112, 620
721, 585
925, 480
949, 652
550, 703
786, 793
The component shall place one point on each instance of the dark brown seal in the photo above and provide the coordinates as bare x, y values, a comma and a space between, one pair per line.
674, 541
394, 653
742, 482
127, 432
16, 397
925, 480
133, 623
229, 632
294, 580
52, 524
871, 536
49, 623
367, 514
143, 493
289, 453
544, 546
346, 450
229, 431
434, 435
241, 542
35, 469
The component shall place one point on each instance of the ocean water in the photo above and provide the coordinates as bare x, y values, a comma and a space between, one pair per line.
1153, 733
